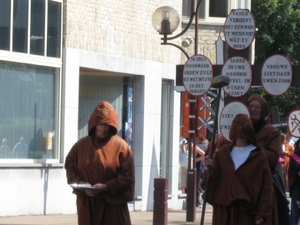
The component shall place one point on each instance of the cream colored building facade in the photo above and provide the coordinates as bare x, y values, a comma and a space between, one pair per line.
102, 50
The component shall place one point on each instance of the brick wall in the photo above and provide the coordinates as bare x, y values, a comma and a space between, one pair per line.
207, 37
124, 28
114, 27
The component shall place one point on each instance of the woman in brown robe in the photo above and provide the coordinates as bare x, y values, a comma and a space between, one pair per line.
105, 161
269, 140
240, 184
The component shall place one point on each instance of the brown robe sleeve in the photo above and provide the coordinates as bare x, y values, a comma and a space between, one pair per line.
269, 140
112, 165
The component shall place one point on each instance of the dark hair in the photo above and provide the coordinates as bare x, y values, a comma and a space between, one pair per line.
297, 148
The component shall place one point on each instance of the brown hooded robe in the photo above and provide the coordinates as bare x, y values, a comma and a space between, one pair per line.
111, 164
269, 140
240, 196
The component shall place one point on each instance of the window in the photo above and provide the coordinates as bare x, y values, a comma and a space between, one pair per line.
218, 8
209, 10
186, 8
28, 111
54, 29
20, 26
5, 25
116, 90
37, 32
26, 33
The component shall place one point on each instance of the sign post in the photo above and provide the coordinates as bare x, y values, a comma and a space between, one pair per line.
197, 76
239, 29
294, 123
276, 75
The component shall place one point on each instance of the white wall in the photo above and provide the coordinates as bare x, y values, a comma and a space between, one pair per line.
147, 98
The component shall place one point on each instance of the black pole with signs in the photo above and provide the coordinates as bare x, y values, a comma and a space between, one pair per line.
222, 82
191, 182
236, 47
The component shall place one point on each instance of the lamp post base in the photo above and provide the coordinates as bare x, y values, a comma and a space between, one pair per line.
191, 195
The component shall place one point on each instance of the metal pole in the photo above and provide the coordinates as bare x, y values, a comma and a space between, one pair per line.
191, 176
217, 82
160, 204
192, 172
210, 155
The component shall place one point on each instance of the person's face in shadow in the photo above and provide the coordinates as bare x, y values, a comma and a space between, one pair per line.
101, 130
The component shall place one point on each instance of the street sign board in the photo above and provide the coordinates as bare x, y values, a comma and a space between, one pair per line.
227, 115
276, 75
294, 123
197, 75
239, 71
239, 29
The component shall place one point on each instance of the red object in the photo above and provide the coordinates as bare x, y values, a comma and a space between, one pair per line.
185, 115
204, 114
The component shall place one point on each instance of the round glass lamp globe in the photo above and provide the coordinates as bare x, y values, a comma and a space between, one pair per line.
165, 20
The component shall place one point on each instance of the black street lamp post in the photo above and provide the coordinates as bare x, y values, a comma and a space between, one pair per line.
166, 20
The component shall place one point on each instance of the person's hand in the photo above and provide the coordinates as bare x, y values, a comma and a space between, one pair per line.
259, 221
98, 188
207, 161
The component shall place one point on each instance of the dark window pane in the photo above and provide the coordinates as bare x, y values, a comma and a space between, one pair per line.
4, 24
54, 27
186, 8
20, 20
37, 22
202, 9
218, 8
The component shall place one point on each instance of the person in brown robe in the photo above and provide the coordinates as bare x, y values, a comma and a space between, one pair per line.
269, 140
294, 188
240, 183
105, 161
287, 151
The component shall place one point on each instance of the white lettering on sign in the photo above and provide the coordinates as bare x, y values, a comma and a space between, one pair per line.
276, 75
197, 75
239, 71
239, 29
227, 115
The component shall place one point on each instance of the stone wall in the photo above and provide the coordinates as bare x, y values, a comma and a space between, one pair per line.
124, 28
207, 36
120, 28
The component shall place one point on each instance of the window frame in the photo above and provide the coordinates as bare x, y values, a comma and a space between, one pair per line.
39, 60
29, 31
57, 96
206, 19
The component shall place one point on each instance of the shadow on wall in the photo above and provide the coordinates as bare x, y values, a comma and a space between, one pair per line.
45, 175
154, 173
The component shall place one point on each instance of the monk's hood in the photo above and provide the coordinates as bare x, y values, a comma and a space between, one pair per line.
241, 126
264, 106
104, 113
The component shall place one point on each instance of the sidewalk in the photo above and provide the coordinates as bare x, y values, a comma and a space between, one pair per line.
137, 218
